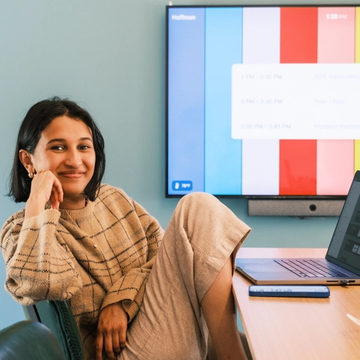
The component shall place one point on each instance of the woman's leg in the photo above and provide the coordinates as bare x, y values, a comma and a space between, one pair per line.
222, 322
201, 237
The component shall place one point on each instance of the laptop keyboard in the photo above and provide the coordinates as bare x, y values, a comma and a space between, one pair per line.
310, 268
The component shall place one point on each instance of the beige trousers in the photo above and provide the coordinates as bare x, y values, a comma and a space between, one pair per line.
201, 236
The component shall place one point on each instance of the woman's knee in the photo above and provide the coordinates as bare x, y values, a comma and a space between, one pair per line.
199, 200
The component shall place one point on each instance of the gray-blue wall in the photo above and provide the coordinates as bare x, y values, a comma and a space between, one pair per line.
110, 57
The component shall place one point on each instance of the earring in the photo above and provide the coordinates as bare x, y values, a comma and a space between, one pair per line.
31, 175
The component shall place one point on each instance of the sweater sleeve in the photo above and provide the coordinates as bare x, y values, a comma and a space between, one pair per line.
38, 262
130, 288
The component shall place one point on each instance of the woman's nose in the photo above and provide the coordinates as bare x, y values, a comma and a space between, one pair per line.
73, 158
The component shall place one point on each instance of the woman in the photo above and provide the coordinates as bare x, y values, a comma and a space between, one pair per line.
90, 244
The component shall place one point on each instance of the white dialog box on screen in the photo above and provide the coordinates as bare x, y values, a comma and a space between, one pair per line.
295, 101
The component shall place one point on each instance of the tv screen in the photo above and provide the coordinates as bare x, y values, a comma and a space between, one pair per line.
262, 101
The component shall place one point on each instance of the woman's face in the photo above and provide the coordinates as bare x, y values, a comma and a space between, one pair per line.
66, 148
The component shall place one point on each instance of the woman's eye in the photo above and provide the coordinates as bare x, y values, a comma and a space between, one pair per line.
57, 147
84, 147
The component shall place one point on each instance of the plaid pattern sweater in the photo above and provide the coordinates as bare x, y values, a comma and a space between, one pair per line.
92, 257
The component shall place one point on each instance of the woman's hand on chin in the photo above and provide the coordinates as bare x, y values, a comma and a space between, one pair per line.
45, 187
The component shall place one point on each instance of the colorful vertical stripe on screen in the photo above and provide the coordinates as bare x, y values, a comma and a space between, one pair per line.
334, 166
223, 47
336, 33
186, 90
298, 36
261, 44
298, 44
297, 167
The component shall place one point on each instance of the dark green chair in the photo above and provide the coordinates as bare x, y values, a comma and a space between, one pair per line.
57, 316
29, 340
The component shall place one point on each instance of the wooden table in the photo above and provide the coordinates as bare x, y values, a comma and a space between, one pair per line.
299, 328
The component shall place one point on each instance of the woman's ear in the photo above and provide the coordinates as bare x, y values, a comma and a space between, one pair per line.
26, 159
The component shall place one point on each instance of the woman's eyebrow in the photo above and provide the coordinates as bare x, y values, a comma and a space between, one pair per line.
64, 140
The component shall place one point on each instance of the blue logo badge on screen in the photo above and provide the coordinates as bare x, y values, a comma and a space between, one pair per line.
182, 185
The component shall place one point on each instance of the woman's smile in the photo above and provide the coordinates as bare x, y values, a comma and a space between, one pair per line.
72, 174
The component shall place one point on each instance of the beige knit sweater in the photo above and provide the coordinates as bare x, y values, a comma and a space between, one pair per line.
92, 257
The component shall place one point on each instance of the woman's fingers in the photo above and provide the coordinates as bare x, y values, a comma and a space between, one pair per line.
108, 342
99, 345
57, 195
44, 187
116, 343
111, 348
111, 331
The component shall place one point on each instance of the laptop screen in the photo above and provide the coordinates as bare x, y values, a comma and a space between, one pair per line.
344, 249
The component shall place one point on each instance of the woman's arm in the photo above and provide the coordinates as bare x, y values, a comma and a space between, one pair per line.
38, 262
123, 300
130, 288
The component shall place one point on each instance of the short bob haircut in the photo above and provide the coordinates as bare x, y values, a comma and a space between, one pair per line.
36, 120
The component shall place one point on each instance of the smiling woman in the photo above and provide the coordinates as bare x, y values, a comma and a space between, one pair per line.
63, 162
136, 291
39, 132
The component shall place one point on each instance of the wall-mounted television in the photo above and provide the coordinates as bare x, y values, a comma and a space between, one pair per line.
263, 101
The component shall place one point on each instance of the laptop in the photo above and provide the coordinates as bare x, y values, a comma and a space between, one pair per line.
340, 266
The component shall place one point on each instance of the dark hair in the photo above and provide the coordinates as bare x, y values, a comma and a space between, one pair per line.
36, 120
